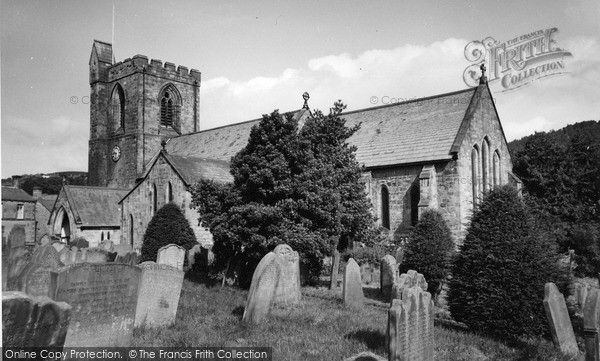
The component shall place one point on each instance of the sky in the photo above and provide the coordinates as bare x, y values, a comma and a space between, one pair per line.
259, 56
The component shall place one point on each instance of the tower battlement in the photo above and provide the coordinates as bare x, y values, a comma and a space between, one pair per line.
139, 63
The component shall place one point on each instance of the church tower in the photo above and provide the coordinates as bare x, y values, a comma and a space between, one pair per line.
134, 106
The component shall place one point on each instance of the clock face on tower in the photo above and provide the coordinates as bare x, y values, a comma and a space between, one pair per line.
116, 153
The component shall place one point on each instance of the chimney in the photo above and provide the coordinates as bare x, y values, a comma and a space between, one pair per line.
37, 192
16, 181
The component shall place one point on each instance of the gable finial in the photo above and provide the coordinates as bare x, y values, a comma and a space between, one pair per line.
163, 144
305, 96
483, 78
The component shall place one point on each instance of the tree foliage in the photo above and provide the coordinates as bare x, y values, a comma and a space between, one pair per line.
291, 185
501, 269
429, 250
168, 226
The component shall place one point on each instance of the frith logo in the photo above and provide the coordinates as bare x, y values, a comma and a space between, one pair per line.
516, 62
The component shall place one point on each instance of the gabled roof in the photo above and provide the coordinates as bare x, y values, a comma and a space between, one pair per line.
48, 200
16, 194
420, 130
103, 51
95, 206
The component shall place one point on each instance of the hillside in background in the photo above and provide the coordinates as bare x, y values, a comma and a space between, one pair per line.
562, 136
49, 183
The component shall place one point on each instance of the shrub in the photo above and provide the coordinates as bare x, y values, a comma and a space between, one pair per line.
168, 226
499, 274
584, 239
429, 250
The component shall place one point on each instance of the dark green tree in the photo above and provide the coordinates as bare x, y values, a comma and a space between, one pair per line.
501, 269
429, 250
168, 226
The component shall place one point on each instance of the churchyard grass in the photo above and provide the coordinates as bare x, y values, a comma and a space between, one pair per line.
321, 329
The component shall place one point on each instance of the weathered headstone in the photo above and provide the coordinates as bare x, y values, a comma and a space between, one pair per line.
365, 356
335, 269
591, 325
407, 280
558, 318
97, 255
388, 274
288, 286
18, 260
352, 287
58, 245
33, 321
581, 292
104, 299
410, 326
262, 289
158, 297
399, 256
171, 254
45, 240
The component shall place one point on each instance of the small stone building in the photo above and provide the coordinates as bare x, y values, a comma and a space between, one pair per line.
18, 218
88, 212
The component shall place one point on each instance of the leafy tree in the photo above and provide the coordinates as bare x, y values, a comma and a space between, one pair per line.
501, 269
168, 226
291, 185
429, 250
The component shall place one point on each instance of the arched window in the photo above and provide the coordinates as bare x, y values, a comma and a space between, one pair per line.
169, 193
117, 108
415, 197
154, 199
131, 230
101, 236
170, 101
108, 235
385, 207
475, 173
497, 169
485, 164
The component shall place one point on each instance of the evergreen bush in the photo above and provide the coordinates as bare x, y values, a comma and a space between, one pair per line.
168, 226
429, 250
500, 271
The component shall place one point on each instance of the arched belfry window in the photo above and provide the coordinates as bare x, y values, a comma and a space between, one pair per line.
170, 102
497, 169
485, 164
385, 207
117, 108
475, 172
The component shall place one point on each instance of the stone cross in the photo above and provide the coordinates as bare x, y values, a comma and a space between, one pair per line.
352, 293
558, 318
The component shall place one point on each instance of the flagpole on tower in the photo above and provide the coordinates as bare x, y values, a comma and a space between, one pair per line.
112, 40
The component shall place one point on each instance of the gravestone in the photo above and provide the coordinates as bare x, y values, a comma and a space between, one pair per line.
335, 269
107, 245
287, 291
581, 292
193, 253
16, 237
33, 321
352, 287
407, 280
262, 289
58, 245
96, 255
35, 279
558, 319
18, 260
158, 296
45, 240
388, 274
399, 256
171, 254
104, 299
365, 356
410, 332
591, 325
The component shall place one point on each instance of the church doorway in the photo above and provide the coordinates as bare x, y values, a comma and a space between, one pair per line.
62, 226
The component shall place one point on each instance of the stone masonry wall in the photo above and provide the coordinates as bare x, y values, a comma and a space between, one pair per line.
138, 205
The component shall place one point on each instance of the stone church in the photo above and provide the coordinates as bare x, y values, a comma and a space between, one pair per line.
145, 144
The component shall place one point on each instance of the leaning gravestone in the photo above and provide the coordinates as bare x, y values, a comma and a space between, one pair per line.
33, 321
410, 326
172, 255
104, 299
352, 293
558, 318
591, 325
35, 279
262, 289
158, 296
288, 288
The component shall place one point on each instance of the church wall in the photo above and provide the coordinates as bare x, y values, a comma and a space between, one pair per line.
449, 196
485, 122
139, 204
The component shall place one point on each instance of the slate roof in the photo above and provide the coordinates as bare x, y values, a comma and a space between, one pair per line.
420, 130
95, 206
48, 200
191, 169
104, 51
16, 194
